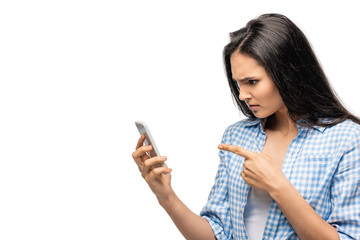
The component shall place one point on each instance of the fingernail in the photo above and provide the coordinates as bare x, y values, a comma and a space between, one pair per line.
163, 158
220, 146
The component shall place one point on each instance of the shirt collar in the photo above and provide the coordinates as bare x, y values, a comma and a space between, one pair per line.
252, 122
319, 128
256, 121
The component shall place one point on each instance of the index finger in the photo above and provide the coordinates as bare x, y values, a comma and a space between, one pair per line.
140, 141
237, 150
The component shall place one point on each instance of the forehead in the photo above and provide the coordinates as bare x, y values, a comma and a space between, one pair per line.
243, 66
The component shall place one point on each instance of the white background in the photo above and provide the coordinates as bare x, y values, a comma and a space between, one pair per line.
75, 75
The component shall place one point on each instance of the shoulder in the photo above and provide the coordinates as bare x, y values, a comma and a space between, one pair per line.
347, 129
242, 125
340, 136
240, 130
350, 132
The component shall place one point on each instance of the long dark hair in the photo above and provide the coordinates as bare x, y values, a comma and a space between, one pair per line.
279, 46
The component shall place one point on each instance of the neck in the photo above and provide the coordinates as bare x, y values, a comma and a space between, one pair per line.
282, 123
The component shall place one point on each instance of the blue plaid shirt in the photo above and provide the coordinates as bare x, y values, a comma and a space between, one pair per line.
322, 163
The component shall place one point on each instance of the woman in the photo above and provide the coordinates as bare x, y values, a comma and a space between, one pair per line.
291, 169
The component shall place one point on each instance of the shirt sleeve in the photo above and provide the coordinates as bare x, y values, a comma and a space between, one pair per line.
217, 209
345, 193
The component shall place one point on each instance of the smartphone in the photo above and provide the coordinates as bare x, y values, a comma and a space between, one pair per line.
143, 129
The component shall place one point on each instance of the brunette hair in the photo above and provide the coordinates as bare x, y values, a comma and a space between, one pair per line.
279, 46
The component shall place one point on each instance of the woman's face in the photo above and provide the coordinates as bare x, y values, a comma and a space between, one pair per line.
256, 88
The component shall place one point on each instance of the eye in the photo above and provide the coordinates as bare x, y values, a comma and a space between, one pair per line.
252, 82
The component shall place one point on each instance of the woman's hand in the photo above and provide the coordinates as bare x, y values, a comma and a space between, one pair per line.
157, 177
262, 172
259, 170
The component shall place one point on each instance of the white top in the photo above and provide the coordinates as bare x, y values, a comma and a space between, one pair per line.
256, 212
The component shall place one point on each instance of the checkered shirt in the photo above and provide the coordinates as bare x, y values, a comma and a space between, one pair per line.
322, 163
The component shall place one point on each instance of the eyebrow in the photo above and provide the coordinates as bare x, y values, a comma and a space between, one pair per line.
244, 79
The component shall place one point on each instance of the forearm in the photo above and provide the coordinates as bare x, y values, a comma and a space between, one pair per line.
302, 217
191, 225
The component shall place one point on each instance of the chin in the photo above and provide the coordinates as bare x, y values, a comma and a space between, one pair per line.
261, 115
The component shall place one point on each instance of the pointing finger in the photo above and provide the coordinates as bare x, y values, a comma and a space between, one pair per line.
237, 150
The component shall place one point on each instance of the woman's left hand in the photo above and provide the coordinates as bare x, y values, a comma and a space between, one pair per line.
259, 170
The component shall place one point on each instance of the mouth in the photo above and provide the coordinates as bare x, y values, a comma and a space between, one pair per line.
253, 106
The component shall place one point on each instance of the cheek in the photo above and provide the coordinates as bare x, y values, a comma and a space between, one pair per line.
276, 99
268, 94
271, 97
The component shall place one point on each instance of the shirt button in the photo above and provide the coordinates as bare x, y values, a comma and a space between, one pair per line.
240, 209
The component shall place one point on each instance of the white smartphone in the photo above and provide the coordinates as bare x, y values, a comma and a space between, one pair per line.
143, 129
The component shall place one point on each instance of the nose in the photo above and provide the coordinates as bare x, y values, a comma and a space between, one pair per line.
244, 95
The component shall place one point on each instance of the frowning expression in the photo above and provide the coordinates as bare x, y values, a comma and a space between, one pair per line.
255, 86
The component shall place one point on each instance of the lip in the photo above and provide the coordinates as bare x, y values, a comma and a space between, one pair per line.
254, 107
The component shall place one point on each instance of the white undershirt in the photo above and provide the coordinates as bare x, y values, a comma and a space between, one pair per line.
256, 212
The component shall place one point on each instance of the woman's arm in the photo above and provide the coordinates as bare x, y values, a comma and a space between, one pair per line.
302, 217
191, 226
261, 172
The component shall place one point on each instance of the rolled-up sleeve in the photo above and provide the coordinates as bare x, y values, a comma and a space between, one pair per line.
217, 210
345, 193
